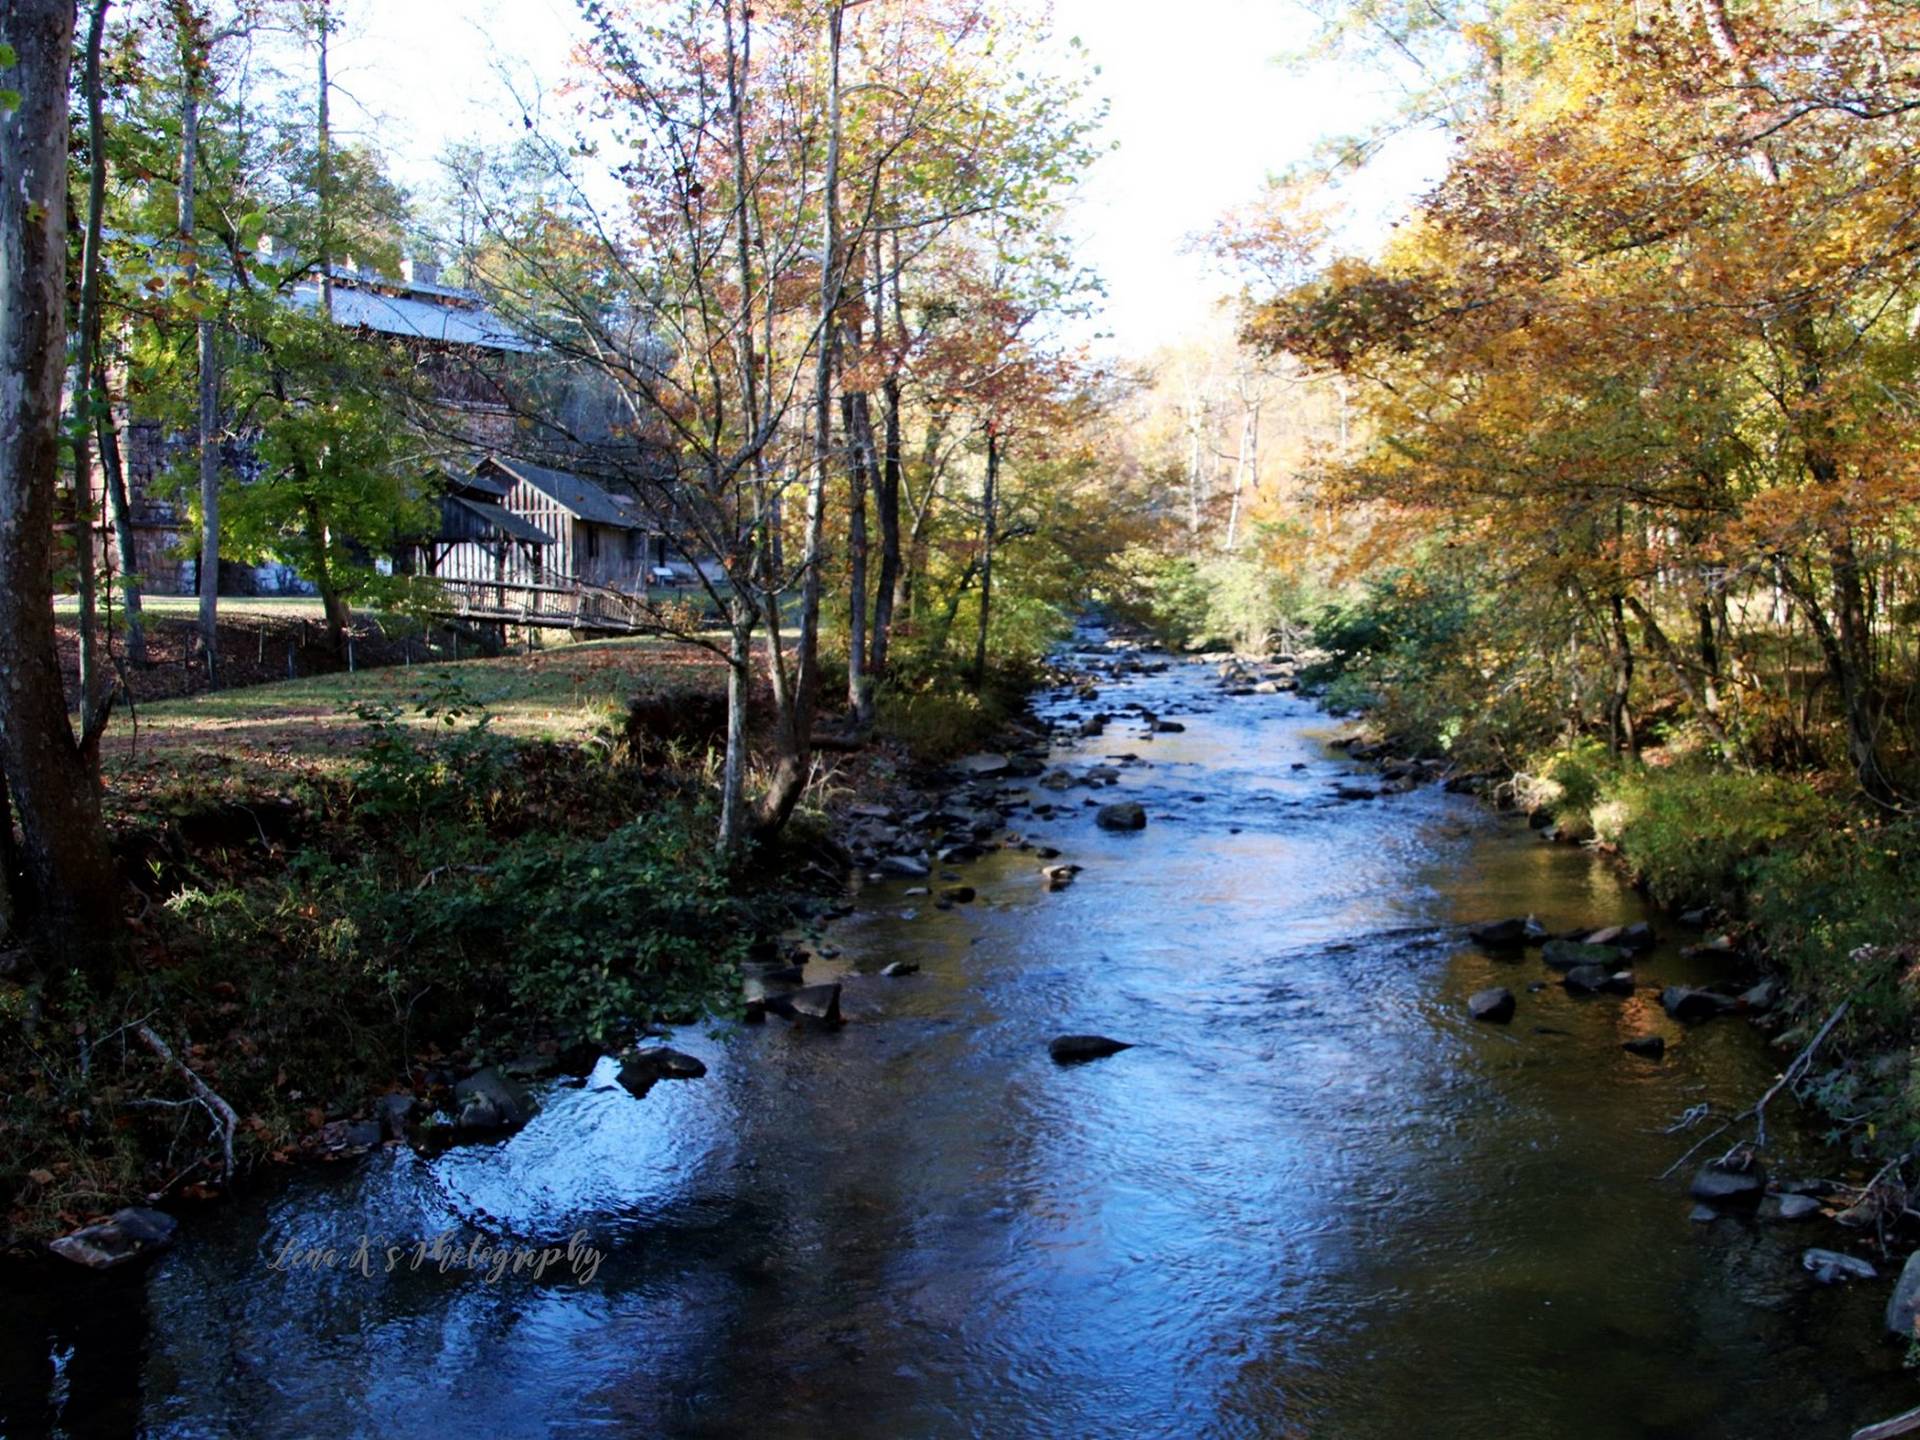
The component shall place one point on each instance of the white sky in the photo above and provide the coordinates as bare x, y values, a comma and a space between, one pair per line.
1201, 111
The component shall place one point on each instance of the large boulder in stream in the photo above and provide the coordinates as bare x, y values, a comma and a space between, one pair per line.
490, 1102
643, 1069
1076, 1049
1495, 1006
128, 1235
1126, 815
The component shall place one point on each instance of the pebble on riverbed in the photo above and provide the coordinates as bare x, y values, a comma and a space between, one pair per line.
1495, 1006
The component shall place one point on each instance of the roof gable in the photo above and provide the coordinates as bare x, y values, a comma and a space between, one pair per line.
572, 493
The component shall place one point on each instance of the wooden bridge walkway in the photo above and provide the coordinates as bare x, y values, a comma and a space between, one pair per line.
550, 603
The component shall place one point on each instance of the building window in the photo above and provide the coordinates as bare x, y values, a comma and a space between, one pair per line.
593, 543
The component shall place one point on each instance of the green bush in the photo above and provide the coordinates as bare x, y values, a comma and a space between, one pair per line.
1819, 903
1694, 836
1581, 770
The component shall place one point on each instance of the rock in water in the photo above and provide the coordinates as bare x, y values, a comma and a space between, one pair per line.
1586, 979
642, 1070
1829, 1266
1494, 1006
1508, 934
1789, 1207
393, 1113
488, 1102
130, 1234
1126, 815
813, 1004
983, 767
1648, 1047
1691, 1005
1073, 1049
1570, 955
910, 866
1059, 877
1903, 1306
894, 969
1727, 1187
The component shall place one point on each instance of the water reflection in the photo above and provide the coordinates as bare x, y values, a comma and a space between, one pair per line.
1315, 1200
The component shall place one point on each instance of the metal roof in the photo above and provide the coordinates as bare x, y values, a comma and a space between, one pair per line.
516, 526
582, 497
491, 486
415, 319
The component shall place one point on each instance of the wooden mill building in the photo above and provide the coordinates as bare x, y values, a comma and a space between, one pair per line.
510, 522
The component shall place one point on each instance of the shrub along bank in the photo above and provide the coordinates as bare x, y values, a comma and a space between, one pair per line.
315, 934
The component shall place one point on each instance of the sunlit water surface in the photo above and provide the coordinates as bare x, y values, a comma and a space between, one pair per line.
1316, 1200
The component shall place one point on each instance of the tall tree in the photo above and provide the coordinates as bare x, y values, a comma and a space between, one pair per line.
72, 892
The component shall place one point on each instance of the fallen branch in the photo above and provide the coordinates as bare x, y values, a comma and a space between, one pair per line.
1795, 1069
203, 1092
1757, 1112
1899, 1425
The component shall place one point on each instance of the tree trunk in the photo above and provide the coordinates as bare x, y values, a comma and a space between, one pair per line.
860, 476
886, 498
807, 645
192, 60
990, 521
1620, 730
734, 766
73, 895
323, 178
1709, 658
1658, 642
886, 492
120, 510
94, 688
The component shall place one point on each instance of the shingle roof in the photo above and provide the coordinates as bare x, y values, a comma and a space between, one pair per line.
505, 521
582, 497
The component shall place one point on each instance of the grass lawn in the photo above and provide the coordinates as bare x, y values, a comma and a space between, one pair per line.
562, 693
187, 607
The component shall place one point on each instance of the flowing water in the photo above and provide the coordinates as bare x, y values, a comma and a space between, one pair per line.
1316, 1199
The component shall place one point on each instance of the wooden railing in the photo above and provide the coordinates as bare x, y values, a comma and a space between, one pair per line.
549, 602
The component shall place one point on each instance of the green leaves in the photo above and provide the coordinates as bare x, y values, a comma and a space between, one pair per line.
9, 99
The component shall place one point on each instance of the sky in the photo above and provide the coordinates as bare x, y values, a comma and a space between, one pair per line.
1201, 108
